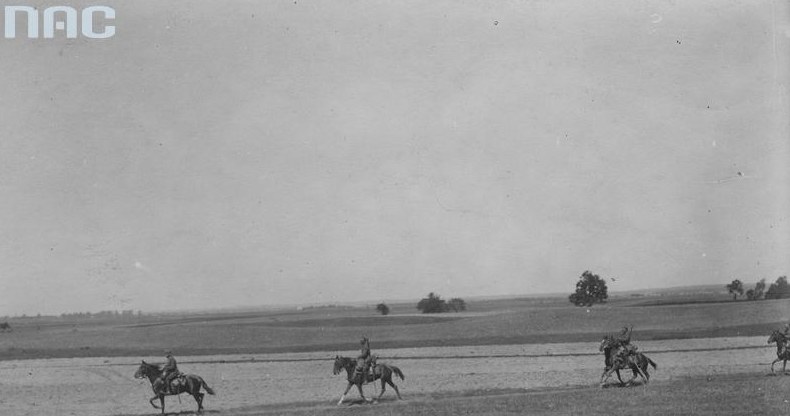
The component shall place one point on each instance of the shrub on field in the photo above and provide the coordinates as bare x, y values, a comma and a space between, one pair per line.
432, 304
435, 304
590, 289
383, 309
457, 304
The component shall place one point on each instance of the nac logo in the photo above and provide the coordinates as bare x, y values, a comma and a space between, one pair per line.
61, 18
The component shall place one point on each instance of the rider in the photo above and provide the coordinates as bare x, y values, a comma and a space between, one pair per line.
169, 371
786, 333
624, 341
364, 358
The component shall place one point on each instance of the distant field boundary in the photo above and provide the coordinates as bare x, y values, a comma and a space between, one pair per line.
655, 302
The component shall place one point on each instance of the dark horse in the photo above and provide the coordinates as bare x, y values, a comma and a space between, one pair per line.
782, 353
5, 327
614, 362
189, 383
382, 371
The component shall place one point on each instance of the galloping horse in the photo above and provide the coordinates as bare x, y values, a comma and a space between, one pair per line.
607, 346
782, 353
615, 362
383, 371
191, 385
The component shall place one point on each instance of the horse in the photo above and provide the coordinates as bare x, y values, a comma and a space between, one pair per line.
607, 345
616, 361
5, 327
782, 353
189, 384
382, 371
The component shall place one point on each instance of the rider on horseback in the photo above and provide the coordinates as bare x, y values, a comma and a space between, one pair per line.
786, 333
623, 340
364, 359
169, 371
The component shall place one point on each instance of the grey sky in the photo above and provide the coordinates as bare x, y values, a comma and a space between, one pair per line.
220, 154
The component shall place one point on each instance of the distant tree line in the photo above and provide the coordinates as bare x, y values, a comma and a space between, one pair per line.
780, 289
435, 304
126, 314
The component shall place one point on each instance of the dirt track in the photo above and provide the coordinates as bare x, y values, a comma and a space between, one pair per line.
98, 386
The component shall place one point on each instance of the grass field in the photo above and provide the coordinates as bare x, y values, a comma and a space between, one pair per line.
533, 356
735, 394
490, 322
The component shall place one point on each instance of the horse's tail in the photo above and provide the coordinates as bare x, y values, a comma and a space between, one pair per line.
397, 371
205, 386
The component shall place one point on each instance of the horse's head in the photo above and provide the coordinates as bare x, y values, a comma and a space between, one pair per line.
777, 337
338, 365
145, 369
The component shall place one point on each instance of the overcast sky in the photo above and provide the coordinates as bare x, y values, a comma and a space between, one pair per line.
232, 153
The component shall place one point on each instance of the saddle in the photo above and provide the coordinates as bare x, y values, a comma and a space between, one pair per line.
176, 382
368, 376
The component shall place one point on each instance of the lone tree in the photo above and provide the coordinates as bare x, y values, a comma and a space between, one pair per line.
457, 304
735, 288
432, 304
383, 309
589, 289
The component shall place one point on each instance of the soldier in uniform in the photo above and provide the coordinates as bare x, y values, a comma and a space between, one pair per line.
169, 371
786, 333
624, 341
364, 359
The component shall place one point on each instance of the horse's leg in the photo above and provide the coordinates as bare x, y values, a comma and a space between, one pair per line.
605, 376
394, 387
635, 374
618, 376
152, 402
359, 386
344, 394
199, 399
162, 400
784, 365
772, 365
383, 386
645, 378
645, 372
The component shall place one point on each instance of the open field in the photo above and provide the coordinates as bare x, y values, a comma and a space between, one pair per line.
507, 356
435, 376
515, 321
736, 394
